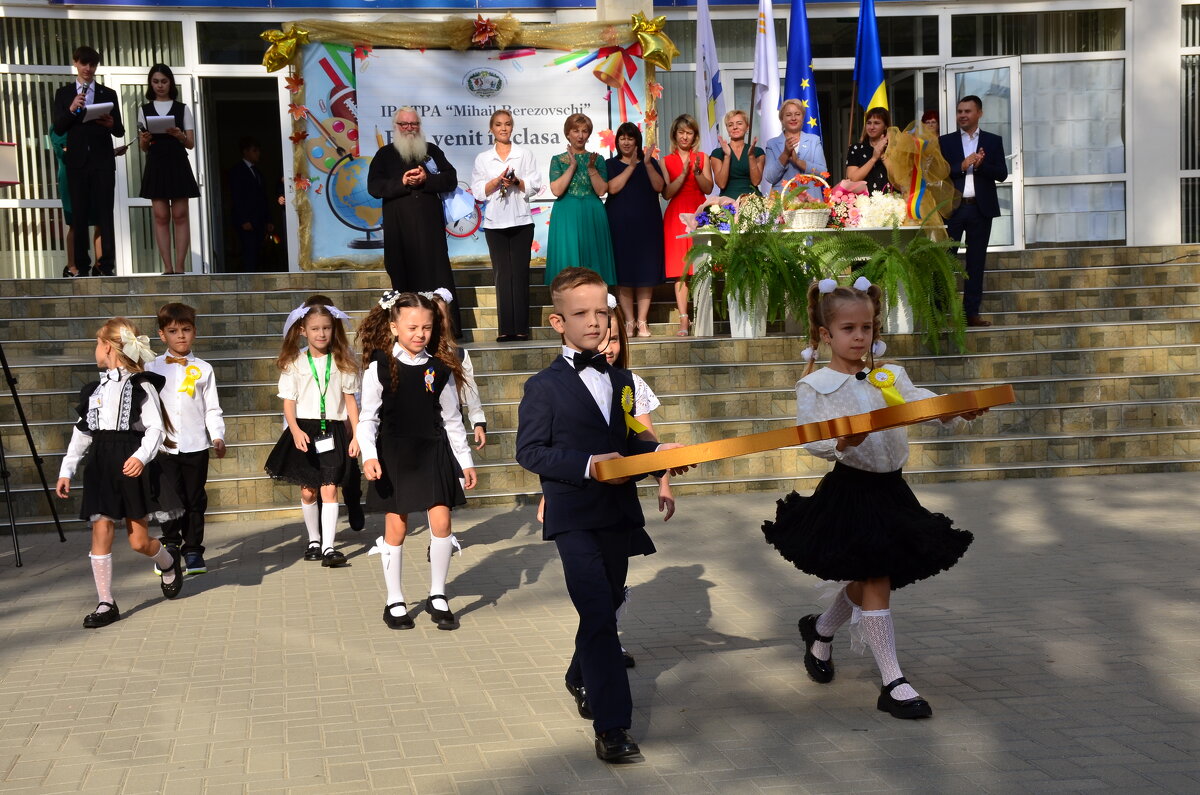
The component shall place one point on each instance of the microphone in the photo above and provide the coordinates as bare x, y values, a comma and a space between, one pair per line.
83, 93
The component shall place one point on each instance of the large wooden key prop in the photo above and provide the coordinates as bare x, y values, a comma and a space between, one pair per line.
940, 407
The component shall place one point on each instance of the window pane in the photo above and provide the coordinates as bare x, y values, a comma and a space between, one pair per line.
26, 103
120, 42
231, 42
1189, 86
977, 35
1191, 26
734, 38
1057, 214
830, 37
1073, 118
1190, 209
33, 242
142, 250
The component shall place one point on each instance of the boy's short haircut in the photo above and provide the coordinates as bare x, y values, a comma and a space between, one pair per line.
86, 55
570, 278
247, 141
176, 313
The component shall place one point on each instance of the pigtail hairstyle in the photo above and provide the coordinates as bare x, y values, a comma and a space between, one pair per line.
822, 308
621, 360
110, 332
441, 340
290, 350
447, 348
375, 334
339, 346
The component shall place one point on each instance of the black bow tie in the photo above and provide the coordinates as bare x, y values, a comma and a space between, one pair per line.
595, 359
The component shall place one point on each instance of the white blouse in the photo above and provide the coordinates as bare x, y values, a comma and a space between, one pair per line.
512, 209
197, 417
644, 399
296, 383
150, 423
470, 391
163, 108
827, 394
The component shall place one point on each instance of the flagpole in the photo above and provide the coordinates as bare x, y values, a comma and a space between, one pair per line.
853, 102
753, 105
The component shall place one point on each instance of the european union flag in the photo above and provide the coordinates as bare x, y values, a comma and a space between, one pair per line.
868, 61
799, 83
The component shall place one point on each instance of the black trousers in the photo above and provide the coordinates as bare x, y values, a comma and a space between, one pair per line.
978, 229
595, 563
186, 474
93, 191
252, 244
509, 249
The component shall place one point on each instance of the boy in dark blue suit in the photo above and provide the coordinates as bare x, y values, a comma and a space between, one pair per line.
570, 418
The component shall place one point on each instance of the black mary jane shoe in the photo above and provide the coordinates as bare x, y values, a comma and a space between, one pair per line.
332, 559
615, 746
820, 671
313, 551
172, 589
581, 702
907, 709
102, 618
443, 618
397, 622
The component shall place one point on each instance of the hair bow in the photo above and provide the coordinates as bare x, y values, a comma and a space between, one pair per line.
135, 348
862, 283
612, 301
389, 299
878, 347
302, 310
808, 354
444, 294
827, 285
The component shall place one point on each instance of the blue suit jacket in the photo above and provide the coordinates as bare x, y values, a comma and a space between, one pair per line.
559, 427
993, 169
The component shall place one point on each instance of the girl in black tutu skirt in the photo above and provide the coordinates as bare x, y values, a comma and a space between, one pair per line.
317, 448
121, 426
862, 524
413, 440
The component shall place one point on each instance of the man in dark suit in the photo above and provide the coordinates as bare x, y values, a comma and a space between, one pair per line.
90, 159
977, 163
250, 213
571, 417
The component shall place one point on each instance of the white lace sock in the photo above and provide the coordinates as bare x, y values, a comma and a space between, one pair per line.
881, 637
102, 574
393, 562
440, 552
163, 559
329, 514
312, 520
830, 621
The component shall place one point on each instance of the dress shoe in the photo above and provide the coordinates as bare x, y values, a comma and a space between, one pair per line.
629, 661
505, 338
313, 551
172, 589
616, 746
976, 321
102, 619
69, 274
397, 622
354, 513
332, 559
581, 704
521, 337
443, 618
907, 709
820, 671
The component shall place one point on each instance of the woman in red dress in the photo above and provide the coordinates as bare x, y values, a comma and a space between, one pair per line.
688, 182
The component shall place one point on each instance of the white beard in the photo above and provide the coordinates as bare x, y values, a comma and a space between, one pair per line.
411, 147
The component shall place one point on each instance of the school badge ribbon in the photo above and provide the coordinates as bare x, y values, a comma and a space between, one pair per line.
885, 381
190, 376
627, 407
429, 376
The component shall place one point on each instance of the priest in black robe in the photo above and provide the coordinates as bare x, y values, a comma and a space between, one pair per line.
408, 174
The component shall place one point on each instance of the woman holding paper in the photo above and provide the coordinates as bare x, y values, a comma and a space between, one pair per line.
165, 132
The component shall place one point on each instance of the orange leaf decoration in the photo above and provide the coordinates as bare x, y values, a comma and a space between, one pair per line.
607, 139
302, 182
652, 116
294, 83
297, 137
485, 31
298, 111
656, 89
536, 247
362, 51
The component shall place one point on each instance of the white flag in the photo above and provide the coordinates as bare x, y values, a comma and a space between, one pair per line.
766, 76
710, 97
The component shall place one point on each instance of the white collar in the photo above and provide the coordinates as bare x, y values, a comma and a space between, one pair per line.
113, 374
970, 135
190, 356
406, 357
825, 380
249, 165
568, 353
514, 153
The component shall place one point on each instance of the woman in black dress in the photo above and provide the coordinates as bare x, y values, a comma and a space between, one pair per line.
864, 160
635, 223
168, 181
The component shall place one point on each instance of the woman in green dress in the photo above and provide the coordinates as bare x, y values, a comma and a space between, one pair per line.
578, 224
737, 168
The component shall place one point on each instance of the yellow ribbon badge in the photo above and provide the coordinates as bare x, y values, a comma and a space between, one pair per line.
657, 47
191, 376
283, 46
627, 407
885, 381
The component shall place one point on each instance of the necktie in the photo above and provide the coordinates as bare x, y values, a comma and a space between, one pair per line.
182, 360
590, 359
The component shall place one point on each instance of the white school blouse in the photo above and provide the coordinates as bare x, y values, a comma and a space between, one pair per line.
112, 383
296, 383
197, 418
163, 107
470, 391
513, 208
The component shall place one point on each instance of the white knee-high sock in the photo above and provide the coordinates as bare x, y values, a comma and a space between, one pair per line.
392, 558
830, 621
102, 574
440, 551
163, 559
329, 514
881, 636
312, 520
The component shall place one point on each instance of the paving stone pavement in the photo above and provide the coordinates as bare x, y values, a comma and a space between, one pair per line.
1060, 655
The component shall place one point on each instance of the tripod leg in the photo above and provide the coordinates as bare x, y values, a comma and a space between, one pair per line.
12, 519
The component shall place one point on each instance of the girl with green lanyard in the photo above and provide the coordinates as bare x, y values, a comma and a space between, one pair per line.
315, 451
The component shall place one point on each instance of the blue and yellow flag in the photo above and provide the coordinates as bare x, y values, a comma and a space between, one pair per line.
799, 83
868, 60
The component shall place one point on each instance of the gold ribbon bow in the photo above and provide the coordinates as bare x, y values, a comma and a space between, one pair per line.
627, 407
885, 381
284, 46
191, 376
657, 47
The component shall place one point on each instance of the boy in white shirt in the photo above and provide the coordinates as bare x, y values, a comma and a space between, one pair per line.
189, 398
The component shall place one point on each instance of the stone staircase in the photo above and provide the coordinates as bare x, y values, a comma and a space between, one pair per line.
1101, 345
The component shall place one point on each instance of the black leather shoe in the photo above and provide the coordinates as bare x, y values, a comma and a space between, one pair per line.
629, 661
615, 746
354, 513
581, 704
397, 622
313, 552
443, 618
907, 709
102, 619
172, 590
820, 671
332, 559
505, 338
